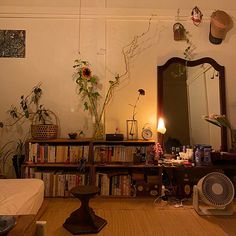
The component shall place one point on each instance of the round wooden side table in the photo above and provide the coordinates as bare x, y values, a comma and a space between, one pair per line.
84, 220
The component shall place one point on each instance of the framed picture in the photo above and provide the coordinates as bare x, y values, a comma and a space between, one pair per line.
12, 43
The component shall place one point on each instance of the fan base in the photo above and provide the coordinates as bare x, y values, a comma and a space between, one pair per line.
205, 211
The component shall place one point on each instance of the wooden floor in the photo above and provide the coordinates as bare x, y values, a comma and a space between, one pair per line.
141, 217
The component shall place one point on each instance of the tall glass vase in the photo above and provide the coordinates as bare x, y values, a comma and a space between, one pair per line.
99, 126
98, 131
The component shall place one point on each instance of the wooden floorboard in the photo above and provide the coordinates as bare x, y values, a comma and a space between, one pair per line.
140, 217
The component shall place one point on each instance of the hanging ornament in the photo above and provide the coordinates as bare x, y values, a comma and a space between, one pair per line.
179, 30
196, 16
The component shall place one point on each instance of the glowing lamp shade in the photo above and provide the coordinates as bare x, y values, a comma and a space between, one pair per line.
161, 126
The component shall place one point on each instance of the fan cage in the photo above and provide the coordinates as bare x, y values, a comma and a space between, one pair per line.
222, 183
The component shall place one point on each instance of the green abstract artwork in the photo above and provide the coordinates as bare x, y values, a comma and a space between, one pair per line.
12, 43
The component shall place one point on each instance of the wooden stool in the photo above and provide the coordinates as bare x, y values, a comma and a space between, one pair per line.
84, 220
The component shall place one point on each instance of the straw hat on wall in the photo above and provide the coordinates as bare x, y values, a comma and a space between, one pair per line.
220, 24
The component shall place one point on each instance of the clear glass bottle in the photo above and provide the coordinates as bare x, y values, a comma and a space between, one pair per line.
197, 155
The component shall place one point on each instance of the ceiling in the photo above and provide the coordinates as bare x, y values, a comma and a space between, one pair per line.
156, 4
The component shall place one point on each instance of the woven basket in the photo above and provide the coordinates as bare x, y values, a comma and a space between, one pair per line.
44, 131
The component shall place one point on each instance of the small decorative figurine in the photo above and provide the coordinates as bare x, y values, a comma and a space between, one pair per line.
196, 16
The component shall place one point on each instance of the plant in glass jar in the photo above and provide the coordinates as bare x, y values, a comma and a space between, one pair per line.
132, 125
89, 93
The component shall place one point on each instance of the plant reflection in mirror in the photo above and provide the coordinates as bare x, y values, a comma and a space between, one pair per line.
218, 120
222, 121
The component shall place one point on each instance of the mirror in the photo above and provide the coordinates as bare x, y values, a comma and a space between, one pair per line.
188, 90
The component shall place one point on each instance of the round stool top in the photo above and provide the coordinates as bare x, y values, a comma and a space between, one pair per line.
84, 190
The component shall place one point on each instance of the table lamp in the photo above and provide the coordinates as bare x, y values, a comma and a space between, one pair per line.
161, 129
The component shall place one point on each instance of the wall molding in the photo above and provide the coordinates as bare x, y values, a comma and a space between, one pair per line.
95, 13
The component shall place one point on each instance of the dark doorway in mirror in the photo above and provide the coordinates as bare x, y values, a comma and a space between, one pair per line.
175, 104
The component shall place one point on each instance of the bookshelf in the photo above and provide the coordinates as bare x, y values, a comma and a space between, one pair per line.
118, 168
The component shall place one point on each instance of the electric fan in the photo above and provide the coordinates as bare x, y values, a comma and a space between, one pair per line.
216, 192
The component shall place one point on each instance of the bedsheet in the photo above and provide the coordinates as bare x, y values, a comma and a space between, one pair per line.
21, 196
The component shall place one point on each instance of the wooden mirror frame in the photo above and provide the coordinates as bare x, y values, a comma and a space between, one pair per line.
216, 66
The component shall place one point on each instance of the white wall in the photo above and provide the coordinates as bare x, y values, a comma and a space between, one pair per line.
52, 39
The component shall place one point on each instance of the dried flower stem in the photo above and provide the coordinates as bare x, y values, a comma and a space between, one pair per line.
128, 51
140, 92
133, 116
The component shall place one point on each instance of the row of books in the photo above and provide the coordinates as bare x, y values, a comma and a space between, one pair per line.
116, 185
57, 183
45, 153
121, 153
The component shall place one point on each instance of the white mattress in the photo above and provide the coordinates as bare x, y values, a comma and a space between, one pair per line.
21, 196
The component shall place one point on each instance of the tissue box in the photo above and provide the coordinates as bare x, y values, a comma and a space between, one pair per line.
114, 137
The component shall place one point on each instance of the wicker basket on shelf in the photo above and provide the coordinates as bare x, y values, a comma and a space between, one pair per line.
44, 131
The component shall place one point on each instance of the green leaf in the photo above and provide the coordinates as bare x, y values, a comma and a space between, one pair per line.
27, 114
86, 106
13, 113
86, 63
214, 122
93, 80
224, 122
96, 94
81, 90
78, 80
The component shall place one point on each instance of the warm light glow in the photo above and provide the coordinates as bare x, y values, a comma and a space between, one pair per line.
161, 126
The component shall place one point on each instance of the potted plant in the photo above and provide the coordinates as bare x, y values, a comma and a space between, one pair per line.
42, 126
19, 157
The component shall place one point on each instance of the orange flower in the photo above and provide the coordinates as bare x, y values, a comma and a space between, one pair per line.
86, 72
